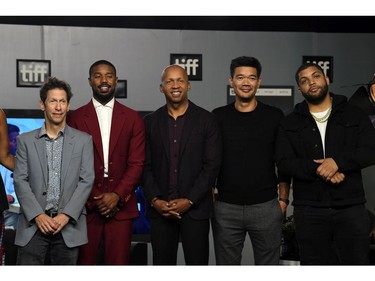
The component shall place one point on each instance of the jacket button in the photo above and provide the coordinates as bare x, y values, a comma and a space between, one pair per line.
44, 193
313, 129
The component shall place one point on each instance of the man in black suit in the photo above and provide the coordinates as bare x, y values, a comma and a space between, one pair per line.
183, 155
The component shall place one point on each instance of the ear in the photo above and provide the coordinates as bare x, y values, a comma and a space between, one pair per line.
230, 80
188, 86
327, 80
161, 88
41, 105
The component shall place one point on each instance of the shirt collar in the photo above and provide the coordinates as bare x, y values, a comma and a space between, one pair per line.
109, 104
43, 131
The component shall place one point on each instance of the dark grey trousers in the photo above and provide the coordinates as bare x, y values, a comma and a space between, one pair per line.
231, 224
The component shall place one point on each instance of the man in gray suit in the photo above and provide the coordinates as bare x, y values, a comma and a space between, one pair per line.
53, 177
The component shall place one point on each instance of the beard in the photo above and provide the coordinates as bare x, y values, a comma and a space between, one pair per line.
103, 99
316, 99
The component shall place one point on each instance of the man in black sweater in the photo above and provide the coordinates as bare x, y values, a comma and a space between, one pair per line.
323, 145
247, 184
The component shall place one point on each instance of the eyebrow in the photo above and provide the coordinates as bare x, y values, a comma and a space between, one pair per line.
251, 75
104, 73
317, 71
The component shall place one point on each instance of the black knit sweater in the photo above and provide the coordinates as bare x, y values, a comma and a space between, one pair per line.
247, 173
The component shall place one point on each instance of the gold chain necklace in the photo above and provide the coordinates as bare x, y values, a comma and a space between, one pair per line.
323, 118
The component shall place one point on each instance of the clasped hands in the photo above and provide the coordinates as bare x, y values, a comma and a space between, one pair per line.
172, 209
107, 204
48, 225
328, 170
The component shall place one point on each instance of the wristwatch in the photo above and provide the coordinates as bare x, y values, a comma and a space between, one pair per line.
286, 201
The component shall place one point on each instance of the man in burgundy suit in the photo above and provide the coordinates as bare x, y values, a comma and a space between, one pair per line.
119, 150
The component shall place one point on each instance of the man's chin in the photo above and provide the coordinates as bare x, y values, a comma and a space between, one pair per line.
58, 122
245, 99
315, 99
103, 98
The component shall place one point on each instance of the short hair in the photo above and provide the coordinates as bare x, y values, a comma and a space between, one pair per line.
170, 66
101, 62
54, 83
305, 66
245, 61
13, 128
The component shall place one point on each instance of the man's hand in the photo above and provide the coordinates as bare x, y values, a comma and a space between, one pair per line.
106, 202
337, 178
283, 207
172, 209
112, 212
179, 206
46, 224
162, 207
61, 220
327, 169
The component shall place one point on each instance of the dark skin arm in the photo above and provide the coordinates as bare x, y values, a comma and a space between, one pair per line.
284, 188
6, 159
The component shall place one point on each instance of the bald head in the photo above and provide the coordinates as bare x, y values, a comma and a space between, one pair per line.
171, 68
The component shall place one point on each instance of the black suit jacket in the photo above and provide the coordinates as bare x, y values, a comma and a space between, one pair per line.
199, 159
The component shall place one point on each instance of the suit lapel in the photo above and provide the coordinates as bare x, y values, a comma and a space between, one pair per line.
67, 153
92, 123
118, 121
40, 146
163, 129
189, 124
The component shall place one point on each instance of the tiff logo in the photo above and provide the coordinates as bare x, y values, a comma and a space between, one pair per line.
32, 73
191, 63
325, 62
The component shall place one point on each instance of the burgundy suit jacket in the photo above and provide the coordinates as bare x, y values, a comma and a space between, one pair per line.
126, 154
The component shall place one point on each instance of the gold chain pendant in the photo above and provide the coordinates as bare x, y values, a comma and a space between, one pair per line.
324, 118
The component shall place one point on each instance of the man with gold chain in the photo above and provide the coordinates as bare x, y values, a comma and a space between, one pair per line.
323, 145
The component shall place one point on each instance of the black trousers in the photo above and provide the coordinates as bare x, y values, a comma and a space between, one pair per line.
166, 234
333, 236
51, 248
